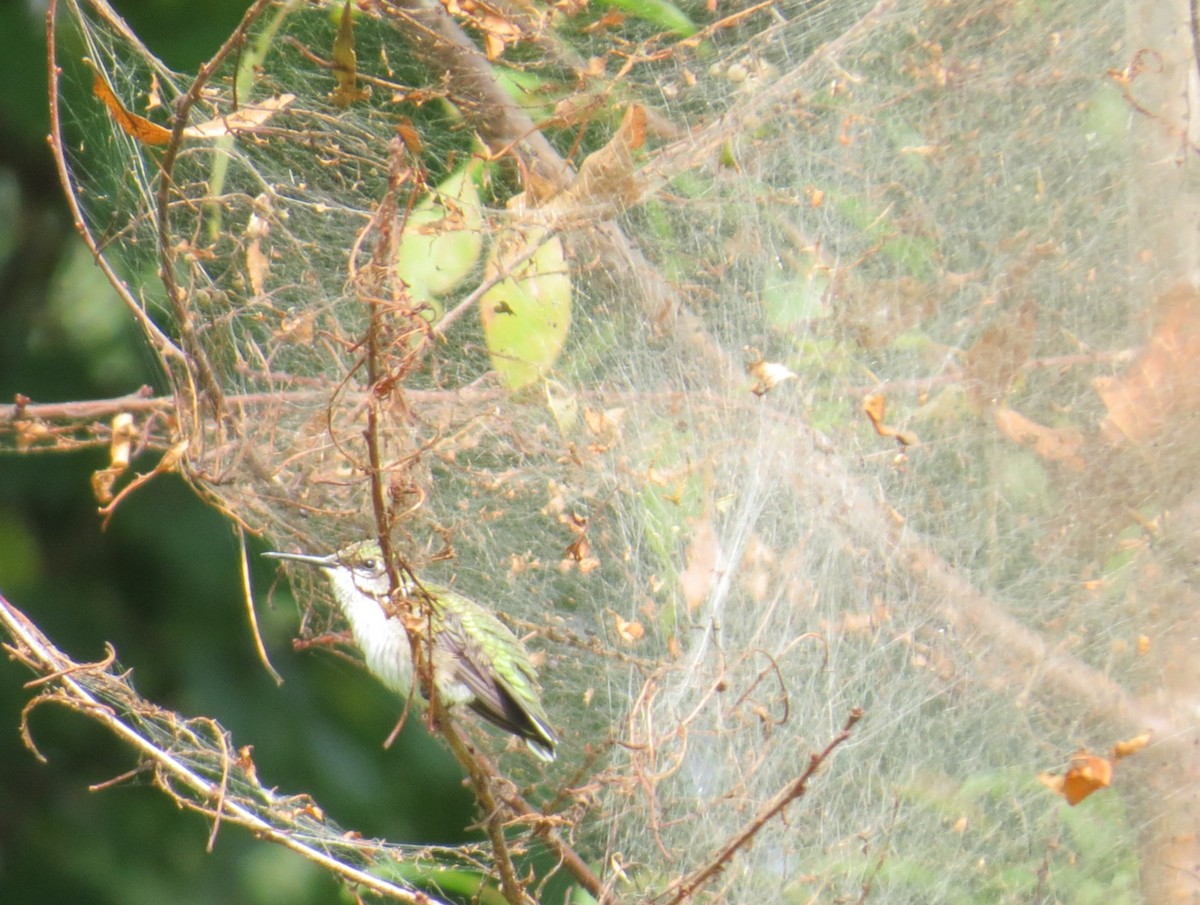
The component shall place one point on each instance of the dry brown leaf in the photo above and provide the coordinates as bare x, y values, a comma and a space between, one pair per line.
606, 184
767, 374
993, 362
1163, 384
874, 407
249, 118
257, 265
345, 63
131, 124
700, 576
299, 329
629, 631
119, 456
1055, 444
30, 431
1087, 773
1130, 746
605, 425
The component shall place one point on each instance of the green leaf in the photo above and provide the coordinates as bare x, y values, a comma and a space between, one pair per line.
443, 237
660, 12
526, 316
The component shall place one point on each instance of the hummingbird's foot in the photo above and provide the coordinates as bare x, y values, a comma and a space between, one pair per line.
326, 639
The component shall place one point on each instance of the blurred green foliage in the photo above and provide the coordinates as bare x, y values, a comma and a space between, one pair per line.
161, 584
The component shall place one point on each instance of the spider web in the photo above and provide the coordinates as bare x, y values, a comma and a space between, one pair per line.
791, 212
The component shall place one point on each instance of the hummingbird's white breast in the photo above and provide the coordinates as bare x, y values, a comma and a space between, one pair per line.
381, 638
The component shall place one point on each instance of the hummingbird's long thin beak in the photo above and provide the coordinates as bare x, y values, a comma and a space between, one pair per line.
324, 562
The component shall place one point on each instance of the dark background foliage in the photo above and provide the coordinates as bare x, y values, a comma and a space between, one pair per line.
161, 584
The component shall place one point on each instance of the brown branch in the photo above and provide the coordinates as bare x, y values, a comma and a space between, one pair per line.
383, 225
570, 858
481, 774
85, 688
686, 887
439, 42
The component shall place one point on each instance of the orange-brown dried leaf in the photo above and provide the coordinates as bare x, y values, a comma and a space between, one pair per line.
103, 482
1055, 444
700, 575
298, 330
258, 267
607, 177
629, 631
120, 453
29, 432
767, 374
1163, 384
245, 760
1130, 746
1087, 773
991, 365
605, 425
131, 124
874, 407
248, 118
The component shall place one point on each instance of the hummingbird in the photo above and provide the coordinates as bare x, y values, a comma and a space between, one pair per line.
476, 659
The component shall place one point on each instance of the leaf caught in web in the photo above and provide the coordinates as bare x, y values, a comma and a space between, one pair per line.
1162, 386
607, 182
874, 407
443, 237
527, 314
248, 118
345, 62
1055, 444
133, 125
1087, 773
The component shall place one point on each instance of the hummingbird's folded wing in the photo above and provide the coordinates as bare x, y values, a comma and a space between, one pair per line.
491, 661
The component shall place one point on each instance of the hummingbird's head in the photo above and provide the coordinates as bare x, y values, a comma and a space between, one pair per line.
366, 567
359, 568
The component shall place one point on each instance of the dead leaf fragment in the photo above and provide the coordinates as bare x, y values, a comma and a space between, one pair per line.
874, 407
767, 374
991, 365
703, 555
607, 183
120, 454
258, 227
1130, 746
345, 63
29, 432
629, 631
1087, 773
498, 29
605, 425
1162, 387
298, 329
248, 118
138, 127
1055, 444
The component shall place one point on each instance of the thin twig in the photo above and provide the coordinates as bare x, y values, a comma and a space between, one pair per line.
686, 887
